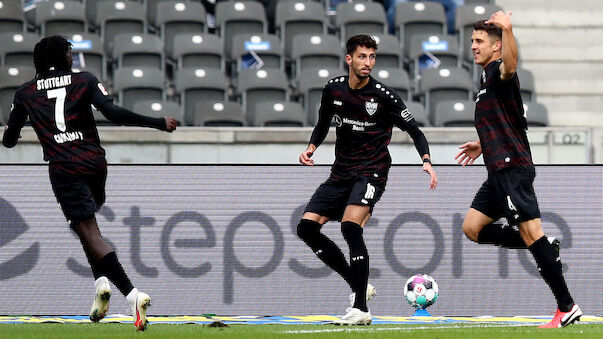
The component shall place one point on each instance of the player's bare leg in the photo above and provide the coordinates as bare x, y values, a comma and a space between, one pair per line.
474, 222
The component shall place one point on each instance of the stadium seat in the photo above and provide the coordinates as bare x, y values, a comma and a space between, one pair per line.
466, 16
396, 78
418, 112
422, 17
194, 50
133, 84
389, 51
455, 113
219, 113
536, 114
199, 84
159, 109
16, 49
59, 17
3, 119
442, 46
116, 17
526, 84
444, 84
359, 17
138, 50
266, 46
279, 114
261, 85
88, 54
309, 87
298, 17
12, 18
235, 17
11, 78
175, 17
312, 51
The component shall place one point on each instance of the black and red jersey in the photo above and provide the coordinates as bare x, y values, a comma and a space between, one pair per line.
500, 121
364, 120
58, 106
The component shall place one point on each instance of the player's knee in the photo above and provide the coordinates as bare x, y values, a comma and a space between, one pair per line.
307, 229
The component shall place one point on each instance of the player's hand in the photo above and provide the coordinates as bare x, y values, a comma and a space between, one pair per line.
305, 157
434, 178
170, 124
469, 152
500, 19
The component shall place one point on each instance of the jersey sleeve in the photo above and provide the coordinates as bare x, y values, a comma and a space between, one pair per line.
404, 120
98, 93
16, 120
324, 119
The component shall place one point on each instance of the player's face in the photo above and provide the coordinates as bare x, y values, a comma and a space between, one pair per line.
362, 61
484, 48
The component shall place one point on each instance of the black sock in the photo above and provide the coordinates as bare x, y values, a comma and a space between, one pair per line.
359, 262
549, 265
110, 267
499, 235
324, 248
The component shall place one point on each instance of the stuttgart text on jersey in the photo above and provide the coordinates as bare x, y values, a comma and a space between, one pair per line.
53, 82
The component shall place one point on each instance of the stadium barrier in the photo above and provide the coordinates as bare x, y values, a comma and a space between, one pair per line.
221, 239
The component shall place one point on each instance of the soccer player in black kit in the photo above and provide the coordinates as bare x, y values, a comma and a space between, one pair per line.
57, 102
508, 191
365, 112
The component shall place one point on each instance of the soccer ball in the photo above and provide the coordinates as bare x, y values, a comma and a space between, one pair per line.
421, 291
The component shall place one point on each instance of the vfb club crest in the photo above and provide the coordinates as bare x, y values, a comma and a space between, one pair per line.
371, 107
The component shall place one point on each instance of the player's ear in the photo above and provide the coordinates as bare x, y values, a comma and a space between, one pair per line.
348, 59
497, 46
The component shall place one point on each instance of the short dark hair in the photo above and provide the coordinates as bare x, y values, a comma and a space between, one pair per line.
51, 52
492, 30
360, 40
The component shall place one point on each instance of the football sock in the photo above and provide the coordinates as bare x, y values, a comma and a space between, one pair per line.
499, 235
359, 262
324, 248
110, 267
549, 265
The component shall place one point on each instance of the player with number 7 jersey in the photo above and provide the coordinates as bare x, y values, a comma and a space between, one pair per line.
58, 103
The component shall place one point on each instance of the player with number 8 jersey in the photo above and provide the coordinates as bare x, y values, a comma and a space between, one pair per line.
58, 103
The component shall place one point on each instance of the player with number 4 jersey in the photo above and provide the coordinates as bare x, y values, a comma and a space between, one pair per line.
364, 111
57, 102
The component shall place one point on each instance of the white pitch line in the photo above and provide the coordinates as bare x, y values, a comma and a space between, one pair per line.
376, 329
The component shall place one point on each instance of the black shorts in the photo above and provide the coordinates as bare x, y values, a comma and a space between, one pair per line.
332, 197
80, 196
508, 193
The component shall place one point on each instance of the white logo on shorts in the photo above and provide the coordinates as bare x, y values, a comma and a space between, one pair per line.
370, 192
510, 204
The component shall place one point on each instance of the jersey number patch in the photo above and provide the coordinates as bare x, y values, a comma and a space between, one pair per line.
59, 106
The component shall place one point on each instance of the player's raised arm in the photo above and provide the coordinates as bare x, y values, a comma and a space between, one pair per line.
509, 53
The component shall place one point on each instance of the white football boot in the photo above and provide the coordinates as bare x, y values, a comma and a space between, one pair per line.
371, 292
355, 317
139, 302
100, 305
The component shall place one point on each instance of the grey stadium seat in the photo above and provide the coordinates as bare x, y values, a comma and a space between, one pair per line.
116, 17
199, 84
235, 17
418, 112
455, 113
58, 17
316, 50
396, 78
11, 78
89, 54
444, 84
442, 46
176, 17
360, 17
299, 17
194, 50
159, 109
256, 86
16, 49
526, 84
12, 18
536, 114
133, 84
309, 86
219, 113
389, 51
138, 50
266, 46
421, 17
279, 114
